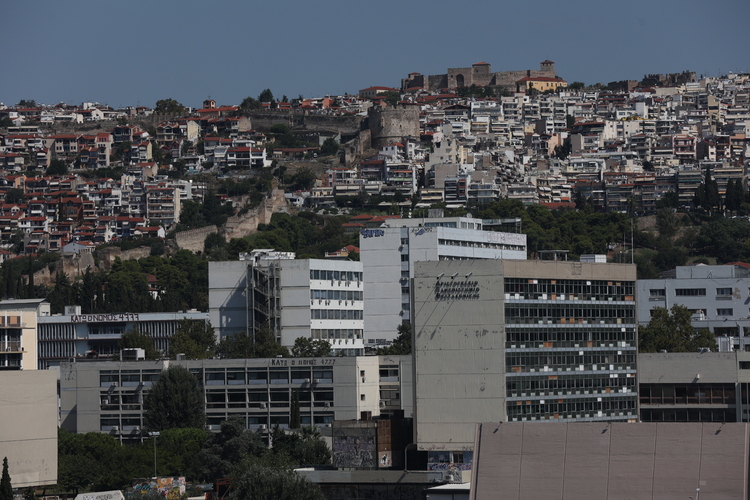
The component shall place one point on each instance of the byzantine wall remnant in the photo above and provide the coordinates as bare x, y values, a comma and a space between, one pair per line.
478, 74
391, 125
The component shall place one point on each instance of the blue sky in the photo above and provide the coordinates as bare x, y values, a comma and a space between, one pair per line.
137, 52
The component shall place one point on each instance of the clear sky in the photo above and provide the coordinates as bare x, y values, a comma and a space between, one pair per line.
136, 52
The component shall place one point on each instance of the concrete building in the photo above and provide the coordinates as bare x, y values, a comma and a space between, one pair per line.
28, 434
107, 397
694, 387
514, 340
389, 254
18, 324
312, 298
610, 461
718, 297
72, 336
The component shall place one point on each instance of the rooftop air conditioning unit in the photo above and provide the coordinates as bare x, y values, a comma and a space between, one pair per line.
115, 428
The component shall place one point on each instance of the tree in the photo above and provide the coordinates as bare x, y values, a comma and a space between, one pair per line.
305, 348
672, 331
303, 179
185, 444
175, 401
237, 346
667, 222
402, 344
329, 147
26, 103
14, 195
57, 167
194, 339
233, 444
266, 96
134, 339
576, 86
6, 488
169, 107
279, 484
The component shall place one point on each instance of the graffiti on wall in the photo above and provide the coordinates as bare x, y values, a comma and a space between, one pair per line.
354, 447
171, 488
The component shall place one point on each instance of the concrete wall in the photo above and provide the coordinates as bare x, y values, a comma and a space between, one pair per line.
28, 434
459, 356
264, 120
227, 308
595, 460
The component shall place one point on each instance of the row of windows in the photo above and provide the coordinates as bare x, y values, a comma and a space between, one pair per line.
688, 415
682, 394
335, 295
336, 314
565, 383
273, 398
519, 313
688, 292
321, 274
480, 244
128, 378
336, 333
584, 289
554, 333
568, 360
274, 375
559, 408
215, 419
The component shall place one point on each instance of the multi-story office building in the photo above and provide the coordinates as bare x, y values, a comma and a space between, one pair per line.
18, 324
312, 298
718, 297
389, 253
70, 336
514, 340
108, 396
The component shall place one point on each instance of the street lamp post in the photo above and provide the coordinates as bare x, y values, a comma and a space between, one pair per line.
154, 435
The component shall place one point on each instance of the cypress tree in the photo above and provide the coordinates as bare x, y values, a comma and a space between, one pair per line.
6, 488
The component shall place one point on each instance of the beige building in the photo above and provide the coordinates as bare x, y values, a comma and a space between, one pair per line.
28, 433
18, 322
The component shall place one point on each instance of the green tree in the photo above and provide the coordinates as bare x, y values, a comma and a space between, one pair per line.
576, 86
329, 147
279, 484
402, 344
6, 488
14, 195
303, 179
249, 104
232, 445
134, 339
57, 167
237, 346
266, 96
306, 348
667, 222
672, 331
194, 339
303, 448
175, 401
266, 345
169, 107
185, 444
26, 103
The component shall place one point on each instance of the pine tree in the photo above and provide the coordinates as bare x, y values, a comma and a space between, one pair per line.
6, 488
294, 412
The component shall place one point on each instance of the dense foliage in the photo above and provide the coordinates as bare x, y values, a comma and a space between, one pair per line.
174, 401
672, 331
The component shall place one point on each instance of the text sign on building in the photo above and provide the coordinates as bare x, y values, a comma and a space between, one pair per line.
103, 318
456, 290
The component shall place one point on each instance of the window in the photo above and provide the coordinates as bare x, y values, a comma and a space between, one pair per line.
725, 312
361, 397
657, 292
405, 258
723, 291
690, 292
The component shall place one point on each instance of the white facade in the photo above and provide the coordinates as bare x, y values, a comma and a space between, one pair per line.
718, 297
312, 298
389, 254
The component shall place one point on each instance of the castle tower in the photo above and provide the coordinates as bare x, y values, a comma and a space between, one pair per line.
548, 67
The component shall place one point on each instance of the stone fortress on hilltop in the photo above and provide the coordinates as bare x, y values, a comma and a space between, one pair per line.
479, 74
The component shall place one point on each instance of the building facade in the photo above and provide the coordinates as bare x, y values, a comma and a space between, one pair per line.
390, 253
18, 326
514, 340
71, 336
718, 297
311, 298
107, 397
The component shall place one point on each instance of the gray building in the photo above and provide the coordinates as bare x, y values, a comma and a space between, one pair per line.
718, 297
28, 434
513, 340
70, 336
611, 461
97, 396
320, 299
389, 254
694, 387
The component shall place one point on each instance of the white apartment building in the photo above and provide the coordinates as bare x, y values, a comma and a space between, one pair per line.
313, 298
388, 255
